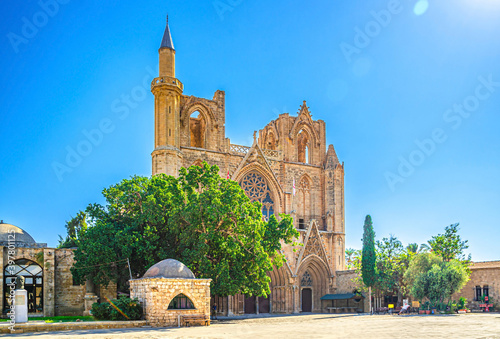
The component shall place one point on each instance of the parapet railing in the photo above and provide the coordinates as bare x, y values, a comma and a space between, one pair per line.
167, 81
238, 149
243, 150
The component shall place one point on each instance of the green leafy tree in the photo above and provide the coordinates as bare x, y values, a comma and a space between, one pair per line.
450, 245
419, 266
389, 265
368, 257
200, 219
440, 282
74, 228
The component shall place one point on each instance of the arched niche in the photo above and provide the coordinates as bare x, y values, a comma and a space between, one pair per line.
303, 147
271, 141
304, 202
197, 130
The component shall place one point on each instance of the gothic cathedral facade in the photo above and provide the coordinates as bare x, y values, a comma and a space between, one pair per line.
289, 151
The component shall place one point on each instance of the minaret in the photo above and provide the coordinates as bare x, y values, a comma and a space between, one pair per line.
167, 157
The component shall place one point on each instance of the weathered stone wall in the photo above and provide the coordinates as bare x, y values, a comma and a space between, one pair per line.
346, 282
482, 274
60, 296
69, 297
155, 294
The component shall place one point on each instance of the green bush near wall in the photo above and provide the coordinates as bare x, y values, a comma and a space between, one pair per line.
122, 308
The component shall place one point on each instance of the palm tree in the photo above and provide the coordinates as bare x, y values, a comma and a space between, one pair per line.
412, 248
424, 248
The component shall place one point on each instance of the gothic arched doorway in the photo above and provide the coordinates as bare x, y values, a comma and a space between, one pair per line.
33, 283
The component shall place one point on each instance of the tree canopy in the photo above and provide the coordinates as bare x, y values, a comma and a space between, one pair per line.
74, 227
450, 245
426, 271
199, 218
389, 261
433, 278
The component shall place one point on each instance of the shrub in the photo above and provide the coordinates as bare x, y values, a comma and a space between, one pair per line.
461, 303
123, 307
131, 307
101, 311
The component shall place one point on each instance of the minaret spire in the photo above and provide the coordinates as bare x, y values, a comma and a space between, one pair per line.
167, 42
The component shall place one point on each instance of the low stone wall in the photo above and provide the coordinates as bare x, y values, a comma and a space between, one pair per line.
38, 326
155, 294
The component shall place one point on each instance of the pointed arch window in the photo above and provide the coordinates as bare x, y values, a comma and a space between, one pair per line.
257, 189
271, 141
303, 147
197, 129
181, 302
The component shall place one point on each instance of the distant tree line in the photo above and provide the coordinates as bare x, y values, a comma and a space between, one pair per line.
433, 271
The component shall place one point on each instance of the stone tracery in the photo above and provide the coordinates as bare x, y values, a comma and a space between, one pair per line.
257, 189
306, 279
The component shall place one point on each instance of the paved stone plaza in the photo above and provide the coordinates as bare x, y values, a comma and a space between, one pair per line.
315, 325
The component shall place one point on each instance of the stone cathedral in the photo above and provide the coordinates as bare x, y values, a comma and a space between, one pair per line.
288, 151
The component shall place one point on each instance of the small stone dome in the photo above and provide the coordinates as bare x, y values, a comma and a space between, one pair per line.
169, 268
20, 236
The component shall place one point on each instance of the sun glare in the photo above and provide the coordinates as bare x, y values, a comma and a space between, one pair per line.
421, 7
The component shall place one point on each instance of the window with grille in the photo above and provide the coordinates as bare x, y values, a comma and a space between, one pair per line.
181, 302
302, 224
478, 293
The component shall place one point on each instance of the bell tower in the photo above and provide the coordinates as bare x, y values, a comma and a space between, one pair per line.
167, 89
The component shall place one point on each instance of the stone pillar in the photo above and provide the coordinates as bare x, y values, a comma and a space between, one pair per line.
230, 306
296, 299
90, 297
48, 282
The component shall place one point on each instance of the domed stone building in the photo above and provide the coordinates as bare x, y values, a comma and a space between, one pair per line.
171, 294
46, 273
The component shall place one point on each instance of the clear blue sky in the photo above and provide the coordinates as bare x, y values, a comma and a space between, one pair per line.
378, 91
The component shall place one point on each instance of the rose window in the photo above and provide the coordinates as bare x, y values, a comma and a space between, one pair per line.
257, 189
